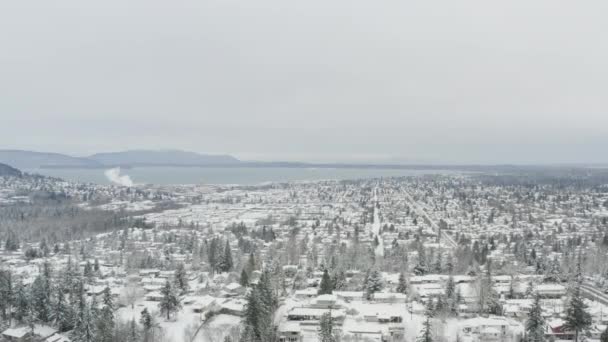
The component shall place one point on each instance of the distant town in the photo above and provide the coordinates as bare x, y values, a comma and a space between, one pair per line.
459, 257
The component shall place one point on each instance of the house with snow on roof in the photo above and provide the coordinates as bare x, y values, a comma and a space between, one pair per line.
25, 333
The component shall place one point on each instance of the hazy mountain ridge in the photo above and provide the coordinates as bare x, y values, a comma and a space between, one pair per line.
31, 159
163, 157
7, 170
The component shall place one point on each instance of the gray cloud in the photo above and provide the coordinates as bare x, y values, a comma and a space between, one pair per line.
457, 81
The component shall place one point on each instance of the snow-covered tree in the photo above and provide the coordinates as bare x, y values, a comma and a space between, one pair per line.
88, 270
373, 284
84, 327
259, 310
40, 298
170, 301
244, 279
21, 302
426, 335
105, 320
577, 318
339, 280
226, 263
134, 333
180, 277
421, 267
61, 313
402, 284
326, 286
326, 328
147, 322
535, 325
6, 294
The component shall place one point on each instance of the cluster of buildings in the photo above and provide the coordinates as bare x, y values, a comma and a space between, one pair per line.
456, 223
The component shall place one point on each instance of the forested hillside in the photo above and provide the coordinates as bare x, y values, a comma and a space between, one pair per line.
34, 207
7, 170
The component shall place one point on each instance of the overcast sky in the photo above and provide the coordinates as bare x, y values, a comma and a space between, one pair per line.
517, 81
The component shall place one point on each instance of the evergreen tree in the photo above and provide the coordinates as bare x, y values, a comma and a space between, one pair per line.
402, 285
134, 335
30, 319
244, 280
88, 270
21, 303
146, 319
105, 321
554, 275
450, 287
489, 301
442, 304
426, 333
78, 299
44, 248
529, 289
147, 323
6, 294
267, 291
250, 264
94, 308
68, 275
429, 310
84, 327
181, 279
212, 254
577, 318
511, 294
374, 284
340, 280
170, 302
421, 267
12, 241
253, 314
438, 266
61, 314
226, 263
326, 286
40, 299
326, 328
259, 311
535, 325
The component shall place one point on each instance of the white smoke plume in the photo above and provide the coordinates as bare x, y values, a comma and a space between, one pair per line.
115, 177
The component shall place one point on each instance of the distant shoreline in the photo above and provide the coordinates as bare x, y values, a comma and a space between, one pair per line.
299, 165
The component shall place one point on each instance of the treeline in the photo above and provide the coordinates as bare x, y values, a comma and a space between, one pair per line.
559, 178
30, 222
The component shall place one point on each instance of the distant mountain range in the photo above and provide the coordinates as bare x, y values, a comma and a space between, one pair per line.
142, 158
167, 157
32, 160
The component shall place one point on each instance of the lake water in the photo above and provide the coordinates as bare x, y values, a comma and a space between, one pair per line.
243, 176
